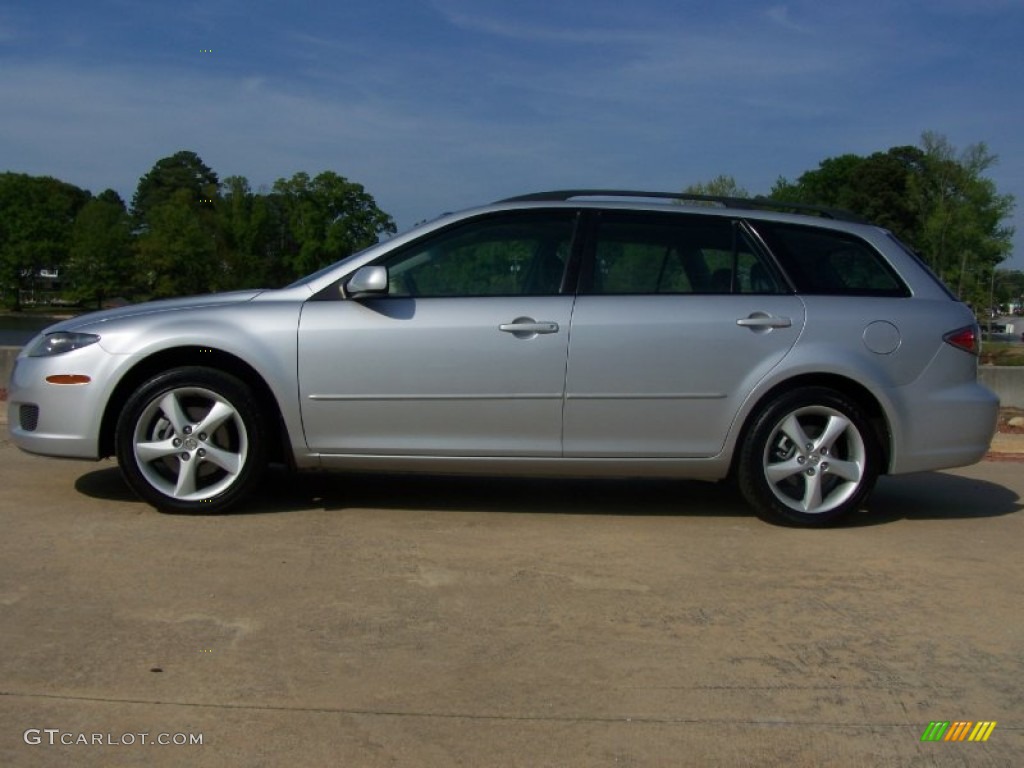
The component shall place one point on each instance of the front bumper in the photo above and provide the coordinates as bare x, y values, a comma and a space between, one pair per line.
61, 419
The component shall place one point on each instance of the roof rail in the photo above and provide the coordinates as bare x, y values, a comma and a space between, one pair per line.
742, 203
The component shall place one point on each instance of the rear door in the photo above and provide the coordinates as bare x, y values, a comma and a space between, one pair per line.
679, 317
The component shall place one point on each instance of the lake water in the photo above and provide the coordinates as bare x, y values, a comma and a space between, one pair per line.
17, 330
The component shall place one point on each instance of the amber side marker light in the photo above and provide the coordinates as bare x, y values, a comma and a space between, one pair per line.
68, 378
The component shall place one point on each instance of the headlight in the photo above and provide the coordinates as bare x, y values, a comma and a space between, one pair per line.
60, 342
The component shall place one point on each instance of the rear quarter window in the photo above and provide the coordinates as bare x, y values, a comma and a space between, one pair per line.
826, 262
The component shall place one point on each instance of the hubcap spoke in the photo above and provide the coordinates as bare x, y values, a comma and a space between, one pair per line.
172, 410
229, 462
186, 484
848, 470
156, 450
219, 413
779, 471
812, 492
791, 428
836, 426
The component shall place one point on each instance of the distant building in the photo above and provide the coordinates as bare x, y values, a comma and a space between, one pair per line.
41, 286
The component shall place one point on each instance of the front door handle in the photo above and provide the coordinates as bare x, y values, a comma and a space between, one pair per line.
527, 327
763, 320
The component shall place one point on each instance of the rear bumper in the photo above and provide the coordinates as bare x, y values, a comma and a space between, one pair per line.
943, 428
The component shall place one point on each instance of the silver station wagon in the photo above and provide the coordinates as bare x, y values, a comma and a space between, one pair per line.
580, 333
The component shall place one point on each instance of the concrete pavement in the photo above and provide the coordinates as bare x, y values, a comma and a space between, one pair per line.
382, 621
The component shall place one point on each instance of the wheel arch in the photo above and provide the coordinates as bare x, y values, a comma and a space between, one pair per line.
846, 386
279, 446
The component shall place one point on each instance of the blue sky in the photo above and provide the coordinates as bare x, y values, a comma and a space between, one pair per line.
443, 104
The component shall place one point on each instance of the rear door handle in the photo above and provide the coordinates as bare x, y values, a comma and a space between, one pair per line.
527, 326
762, 320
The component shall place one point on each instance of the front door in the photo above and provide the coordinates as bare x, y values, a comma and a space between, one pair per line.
465, 355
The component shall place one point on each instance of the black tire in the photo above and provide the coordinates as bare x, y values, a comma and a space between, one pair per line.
191, 440
810, 458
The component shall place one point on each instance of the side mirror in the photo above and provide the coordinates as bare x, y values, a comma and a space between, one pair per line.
368, 281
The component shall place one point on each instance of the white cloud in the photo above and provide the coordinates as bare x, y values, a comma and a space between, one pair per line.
516, 29
103, 129
779, 14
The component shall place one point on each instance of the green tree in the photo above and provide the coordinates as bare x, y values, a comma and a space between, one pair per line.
1008, 289
720, 186
36, 216
183, 170
100, 256
174, 210
962, 216
328, 218
178, 251
880, 190
932, 197
830, 184
252, 232
877, 187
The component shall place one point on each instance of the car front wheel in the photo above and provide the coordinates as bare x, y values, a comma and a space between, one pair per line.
191, 439
810, 459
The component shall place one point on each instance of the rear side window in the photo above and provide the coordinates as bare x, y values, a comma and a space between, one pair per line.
821, 261
639, 253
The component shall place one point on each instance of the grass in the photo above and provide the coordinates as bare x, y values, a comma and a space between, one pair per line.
1002, 353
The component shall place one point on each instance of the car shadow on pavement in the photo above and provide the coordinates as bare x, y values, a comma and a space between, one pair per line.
106, 484
283, 492
925, 496
526, 495
937, 496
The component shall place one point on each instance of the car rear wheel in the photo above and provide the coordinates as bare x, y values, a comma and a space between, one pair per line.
191, 440
810, 459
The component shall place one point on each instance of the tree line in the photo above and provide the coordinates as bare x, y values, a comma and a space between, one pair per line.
934, 198
185, 232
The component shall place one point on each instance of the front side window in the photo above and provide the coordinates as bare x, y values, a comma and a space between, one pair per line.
824, 261
519, 254
649, 254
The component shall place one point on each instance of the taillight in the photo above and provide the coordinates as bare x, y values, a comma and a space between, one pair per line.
965, 339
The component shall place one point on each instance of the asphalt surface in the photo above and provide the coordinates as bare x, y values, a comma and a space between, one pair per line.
382, 621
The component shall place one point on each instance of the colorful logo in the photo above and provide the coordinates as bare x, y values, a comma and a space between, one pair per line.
959, 730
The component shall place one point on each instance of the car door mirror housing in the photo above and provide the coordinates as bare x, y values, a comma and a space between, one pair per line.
368, 281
